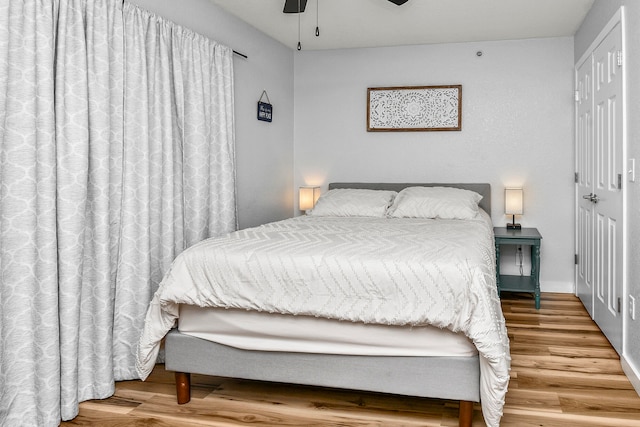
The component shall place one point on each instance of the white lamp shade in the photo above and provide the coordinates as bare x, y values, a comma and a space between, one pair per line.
307, 197
513, 201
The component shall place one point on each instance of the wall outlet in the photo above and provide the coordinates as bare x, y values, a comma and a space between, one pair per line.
632, 307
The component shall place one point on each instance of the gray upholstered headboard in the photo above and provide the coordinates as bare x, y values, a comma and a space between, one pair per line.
483, 189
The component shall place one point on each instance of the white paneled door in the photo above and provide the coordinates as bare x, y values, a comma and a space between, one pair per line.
584, 183
599, 164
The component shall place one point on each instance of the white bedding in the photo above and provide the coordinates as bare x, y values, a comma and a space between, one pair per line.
389, 271
255, 330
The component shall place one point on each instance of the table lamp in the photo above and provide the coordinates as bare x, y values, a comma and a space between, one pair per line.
513, 201
307, 197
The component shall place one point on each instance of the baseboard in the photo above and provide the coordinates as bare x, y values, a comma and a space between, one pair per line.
560, 287
632, 373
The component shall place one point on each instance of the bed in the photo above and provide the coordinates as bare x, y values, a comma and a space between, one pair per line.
466, 287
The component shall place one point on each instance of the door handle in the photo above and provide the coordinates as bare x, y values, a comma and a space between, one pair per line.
592, 197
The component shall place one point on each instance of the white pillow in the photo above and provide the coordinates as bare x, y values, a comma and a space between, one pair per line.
435, 202
353, 202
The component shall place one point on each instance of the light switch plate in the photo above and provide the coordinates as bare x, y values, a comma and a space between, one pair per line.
632, 170
632, 307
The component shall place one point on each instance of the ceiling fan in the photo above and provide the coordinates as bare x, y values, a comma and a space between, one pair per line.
291, 6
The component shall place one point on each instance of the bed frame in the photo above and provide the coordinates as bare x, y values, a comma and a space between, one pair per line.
455, 378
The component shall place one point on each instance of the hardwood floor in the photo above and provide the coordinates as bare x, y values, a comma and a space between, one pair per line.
564, 373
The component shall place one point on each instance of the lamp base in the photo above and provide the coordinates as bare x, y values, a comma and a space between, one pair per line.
511, 226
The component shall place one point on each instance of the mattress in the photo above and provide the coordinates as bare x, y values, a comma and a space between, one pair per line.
252, 330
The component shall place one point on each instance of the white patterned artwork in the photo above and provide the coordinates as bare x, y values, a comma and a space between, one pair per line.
414, 108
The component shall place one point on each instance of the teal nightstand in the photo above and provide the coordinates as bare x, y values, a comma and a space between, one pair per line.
526, 237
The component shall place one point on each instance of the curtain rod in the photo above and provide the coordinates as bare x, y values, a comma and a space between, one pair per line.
240, 54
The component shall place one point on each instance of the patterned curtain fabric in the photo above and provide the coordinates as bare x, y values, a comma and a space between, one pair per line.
88, 82
29, 344
116, 153
179, 187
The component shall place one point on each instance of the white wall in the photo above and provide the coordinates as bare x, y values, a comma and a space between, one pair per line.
599, 15
517, 129
517, 123
264, 151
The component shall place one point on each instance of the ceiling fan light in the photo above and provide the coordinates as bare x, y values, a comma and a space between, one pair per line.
398, 2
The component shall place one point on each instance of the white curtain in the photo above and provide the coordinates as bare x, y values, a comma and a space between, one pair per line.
116, 153
178, 133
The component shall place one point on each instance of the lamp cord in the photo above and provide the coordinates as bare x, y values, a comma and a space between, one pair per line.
520, 260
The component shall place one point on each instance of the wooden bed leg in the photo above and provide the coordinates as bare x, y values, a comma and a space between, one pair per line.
465, 417
183, 387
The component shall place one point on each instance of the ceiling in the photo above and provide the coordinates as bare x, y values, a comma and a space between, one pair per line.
375, 23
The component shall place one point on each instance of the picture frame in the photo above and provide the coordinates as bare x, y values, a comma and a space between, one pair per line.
414, 108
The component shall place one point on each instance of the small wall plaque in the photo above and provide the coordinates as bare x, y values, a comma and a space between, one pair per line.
265, 109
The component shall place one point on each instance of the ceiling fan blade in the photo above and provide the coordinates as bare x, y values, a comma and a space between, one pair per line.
398, 2
291, 6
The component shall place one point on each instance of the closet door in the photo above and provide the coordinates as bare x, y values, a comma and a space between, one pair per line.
599, 185
584, 181
607, 188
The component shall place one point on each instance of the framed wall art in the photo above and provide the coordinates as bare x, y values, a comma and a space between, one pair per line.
414, 108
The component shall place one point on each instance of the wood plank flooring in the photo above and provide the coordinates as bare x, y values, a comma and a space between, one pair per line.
564, 373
